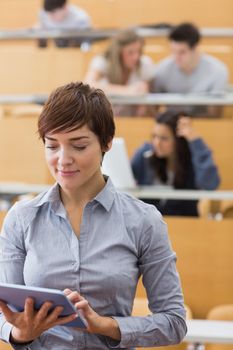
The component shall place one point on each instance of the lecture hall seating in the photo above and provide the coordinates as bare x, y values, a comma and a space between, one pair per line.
142, 11
41, 70
210, 241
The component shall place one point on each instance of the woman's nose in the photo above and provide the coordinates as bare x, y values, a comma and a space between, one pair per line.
64, 158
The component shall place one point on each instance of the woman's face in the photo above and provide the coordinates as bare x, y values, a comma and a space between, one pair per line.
163, 141
131, 54
74, 158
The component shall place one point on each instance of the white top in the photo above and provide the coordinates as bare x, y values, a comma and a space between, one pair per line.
16, 189
76, 18
145, 72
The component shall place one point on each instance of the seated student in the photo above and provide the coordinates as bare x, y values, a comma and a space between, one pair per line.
58, 14
178, 157
123, 70
189, 71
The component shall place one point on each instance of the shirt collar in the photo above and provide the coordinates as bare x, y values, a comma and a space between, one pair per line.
105, 197
51, 196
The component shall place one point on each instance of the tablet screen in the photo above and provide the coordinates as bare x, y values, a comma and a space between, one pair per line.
15, 295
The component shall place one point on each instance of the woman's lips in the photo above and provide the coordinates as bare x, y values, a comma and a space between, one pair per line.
68, 172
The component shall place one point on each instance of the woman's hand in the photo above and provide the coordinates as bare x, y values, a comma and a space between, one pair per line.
185, 129
138, 88
29, 324
95, 323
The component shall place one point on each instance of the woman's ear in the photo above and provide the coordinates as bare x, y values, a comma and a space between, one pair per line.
106, 149
109, 146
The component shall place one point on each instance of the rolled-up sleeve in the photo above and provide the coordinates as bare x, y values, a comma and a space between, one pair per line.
157, 262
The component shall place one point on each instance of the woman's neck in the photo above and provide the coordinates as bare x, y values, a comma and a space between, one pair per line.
171, 163
83, 194
125, 76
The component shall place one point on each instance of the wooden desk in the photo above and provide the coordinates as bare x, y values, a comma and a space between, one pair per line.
206, 331
221, 99
99, 34
151, 192
119, 14
224, 99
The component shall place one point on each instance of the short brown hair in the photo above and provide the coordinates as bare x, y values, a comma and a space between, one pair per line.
187, 33
52, 5
71, 106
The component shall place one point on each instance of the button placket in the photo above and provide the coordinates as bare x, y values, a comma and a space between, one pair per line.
85, 227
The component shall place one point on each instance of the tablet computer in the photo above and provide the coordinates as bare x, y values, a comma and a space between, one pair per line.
15, 295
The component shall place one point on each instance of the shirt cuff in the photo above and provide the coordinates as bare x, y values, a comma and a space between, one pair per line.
126, 335
6, 331
5, 336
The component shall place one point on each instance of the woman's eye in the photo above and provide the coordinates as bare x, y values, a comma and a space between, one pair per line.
79, 148
51, 147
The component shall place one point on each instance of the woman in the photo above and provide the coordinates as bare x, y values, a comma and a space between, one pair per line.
85, 237
123, 70
176, 157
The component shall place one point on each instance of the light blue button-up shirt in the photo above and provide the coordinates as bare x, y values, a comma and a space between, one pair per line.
121, 238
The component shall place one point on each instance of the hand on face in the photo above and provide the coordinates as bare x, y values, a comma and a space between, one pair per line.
29, 324
185, 129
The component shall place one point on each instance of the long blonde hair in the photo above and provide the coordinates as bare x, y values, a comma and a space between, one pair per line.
113, 54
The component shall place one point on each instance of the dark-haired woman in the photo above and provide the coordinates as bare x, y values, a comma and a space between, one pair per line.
176, 157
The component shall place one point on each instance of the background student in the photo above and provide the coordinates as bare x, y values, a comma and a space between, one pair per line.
188, 70
59, 14
176, 157
123, 70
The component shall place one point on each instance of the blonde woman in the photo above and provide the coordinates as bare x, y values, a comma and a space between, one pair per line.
123, 70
